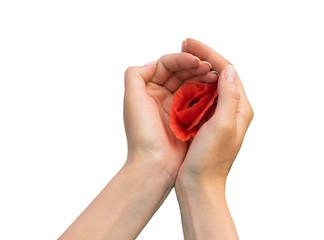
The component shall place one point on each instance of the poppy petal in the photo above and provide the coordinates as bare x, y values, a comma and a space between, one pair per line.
192, 104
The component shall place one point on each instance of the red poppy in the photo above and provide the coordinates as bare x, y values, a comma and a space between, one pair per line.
193, 104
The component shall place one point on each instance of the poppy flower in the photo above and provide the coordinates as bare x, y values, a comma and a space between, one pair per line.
193, 104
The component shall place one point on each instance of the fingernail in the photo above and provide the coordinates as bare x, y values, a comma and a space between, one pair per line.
229, 73
199, 61
184, 43
210, 66
215, 72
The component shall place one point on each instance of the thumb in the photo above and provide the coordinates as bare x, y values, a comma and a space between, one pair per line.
137, 77
228, 97
135, 95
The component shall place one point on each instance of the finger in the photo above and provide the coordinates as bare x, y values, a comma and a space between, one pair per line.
205, 53
228, 100
168, 64
203, 68
219, 63
177, 78
173, 84
210, 77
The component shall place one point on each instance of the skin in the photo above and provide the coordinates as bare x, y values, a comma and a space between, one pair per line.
157, 161
200, 184
131, 198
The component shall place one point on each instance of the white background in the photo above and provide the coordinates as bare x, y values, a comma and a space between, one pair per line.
61, 100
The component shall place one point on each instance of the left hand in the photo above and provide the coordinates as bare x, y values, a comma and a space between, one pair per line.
147, 103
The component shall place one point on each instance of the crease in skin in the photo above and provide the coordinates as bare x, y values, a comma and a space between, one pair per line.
160, 95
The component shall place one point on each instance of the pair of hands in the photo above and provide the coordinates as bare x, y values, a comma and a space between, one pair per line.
148, 100
157, 161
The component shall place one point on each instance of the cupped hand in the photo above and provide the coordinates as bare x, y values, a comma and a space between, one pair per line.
217, 143
147, 103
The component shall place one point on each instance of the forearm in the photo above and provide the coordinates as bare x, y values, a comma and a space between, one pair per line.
123, 207
204, 213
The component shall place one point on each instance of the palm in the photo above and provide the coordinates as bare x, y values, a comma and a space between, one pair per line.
160, 103
148, 101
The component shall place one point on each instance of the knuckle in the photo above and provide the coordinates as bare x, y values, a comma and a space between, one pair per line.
129, 71
249, 114
227, 129
163, 57
234, 93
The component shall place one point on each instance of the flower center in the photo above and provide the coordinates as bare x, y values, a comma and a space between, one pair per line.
193, 101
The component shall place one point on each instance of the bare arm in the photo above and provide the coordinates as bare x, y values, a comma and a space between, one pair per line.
204, 212
124, 206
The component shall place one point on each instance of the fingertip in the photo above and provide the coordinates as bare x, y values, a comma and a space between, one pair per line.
215, 73
228, 74
145, 72
227, 84
208, 63
149, 66
149, 70
184, 45
188, 61
197, 61
210, 77
203, 68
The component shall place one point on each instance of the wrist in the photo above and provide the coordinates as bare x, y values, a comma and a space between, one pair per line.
204, 211
200, 184
199, 197
149, 173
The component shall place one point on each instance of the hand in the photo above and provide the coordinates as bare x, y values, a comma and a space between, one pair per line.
200, 184
154, 154
213, 150
147, 104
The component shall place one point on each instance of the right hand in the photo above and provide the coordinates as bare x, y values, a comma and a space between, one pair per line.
214, 148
